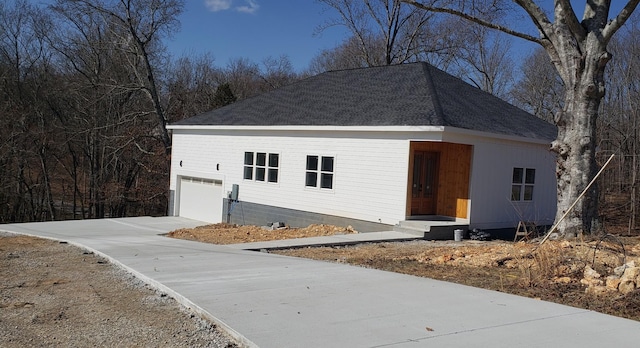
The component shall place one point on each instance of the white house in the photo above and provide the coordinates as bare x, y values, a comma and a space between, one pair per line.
368, 147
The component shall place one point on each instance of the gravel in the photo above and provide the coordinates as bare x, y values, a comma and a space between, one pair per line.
53, 294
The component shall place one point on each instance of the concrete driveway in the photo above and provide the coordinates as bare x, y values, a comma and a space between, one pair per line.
269, 300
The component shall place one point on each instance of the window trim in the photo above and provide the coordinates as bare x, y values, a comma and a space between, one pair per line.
262, 166
319, 172
523, 184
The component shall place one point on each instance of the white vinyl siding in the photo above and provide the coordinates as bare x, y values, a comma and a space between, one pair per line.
492, 184
361, 188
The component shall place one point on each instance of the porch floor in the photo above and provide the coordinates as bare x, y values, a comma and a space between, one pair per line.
432, 227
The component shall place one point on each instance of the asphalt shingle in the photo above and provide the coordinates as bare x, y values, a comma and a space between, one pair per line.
415, 94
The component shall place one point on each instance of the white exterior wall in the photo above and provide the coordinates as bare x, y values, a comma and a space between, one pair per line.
492, 166
370, 169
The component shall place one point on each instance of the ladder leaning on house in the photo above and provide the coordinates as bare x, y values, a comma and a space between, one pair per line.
525, 229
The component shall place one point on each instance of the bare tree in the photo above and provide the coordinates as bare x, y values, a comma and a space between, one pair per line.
196, 85
618, 124
247, 79
277, 72
384, 32
540, 90
387, 32
105, 110
140, 25
78, 126
485, 61
26, 134
347, 55
191, 85
578, 50
243, 76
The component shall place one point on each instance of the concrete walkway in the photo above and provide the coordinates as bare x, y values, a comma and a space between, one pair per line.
339, 239
269, 300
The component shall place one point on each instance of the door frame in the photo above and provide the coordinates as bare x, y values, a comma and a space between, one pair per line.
425, 205
453, 178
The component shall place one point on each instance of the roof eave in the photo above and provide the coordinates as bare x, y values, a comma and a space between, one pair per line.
312, 128
441, 129
518, 138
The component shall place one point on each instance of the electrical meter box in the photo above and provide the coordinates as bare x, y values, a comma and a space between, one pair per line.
234, 192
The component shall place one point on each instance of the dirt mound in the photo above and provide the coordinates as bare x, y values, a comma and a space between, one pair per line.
223, 233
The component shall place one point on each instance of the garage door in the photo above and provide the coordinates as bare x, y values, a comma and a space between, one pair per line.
201, 199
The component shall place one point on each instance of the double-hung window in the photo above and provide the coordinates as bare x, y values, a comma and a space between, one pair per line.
261, 166
319, 172
522, 183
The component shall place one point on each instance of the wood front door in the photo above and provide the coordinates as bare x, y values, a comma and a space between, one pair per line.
424, 183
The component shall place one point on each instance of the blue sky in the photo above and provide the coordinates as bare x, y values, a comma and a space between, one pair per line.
257, 29
254, 29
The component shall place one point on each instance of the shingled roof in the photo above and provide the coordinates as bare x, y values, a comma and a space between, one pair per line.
415, 94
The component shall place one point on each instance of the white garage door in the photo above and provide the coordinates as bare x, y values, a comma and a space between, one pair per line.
201, 199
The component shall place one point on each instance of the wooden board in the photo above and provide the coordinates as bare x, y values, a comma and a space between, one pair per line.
453, 176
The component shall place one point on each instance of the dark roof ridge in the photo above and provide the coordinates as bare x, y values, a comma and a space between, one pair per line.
367, 67
426, 67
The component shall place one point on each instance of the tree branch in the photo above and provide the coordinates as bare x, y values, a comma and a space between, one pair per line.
539, 18
615, 24
481, 21
572, 21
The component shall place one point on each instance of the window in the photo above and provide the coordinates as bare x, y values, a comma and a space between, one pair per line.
248, 165
261, 166
319, 172
272, 173
522, 183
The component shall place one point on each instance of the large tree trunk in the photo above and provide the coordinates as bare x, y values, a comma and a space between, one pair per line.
582, 71
576, 167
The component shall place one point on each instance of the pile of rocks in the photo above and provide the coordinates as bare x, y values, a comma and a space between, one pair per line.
624, 280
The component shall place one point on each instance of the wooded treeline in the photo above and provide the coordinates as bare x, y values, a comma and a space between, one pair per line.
88, 87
